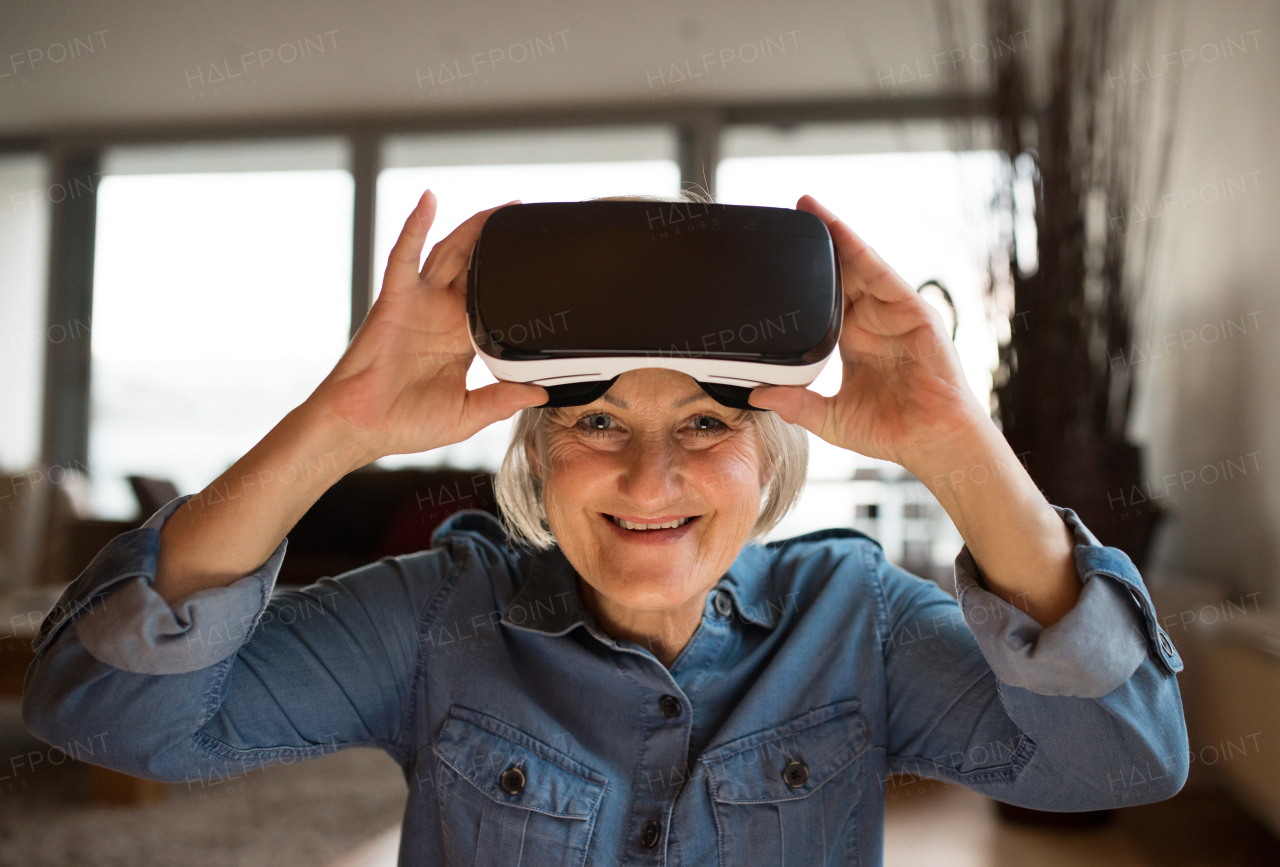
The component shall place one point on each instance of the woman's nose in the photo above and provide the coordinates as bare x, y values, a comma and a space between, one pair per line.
651, 475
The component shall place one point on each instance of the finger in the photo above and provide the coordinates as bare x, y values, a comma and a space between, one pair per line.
450, 257
497, 401
887, 318
402, 264
794, 404
864, 339
857, 258
459, 284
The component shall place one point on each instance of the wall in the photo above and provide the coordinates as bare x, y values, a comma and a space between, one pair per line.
1214, 396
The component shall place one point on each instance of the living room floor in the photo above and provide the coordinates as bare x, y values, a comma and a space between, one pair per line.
307, 814
343, 810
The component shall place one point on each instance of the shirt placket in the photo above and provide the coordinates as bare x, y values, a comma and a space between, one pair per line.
667, 719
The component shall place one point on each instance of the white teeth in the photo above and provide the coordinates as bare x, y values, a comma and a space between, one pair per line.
627, 525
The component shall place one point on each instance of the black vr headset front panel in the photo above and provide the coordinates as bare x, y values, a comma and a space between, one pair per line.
654, 279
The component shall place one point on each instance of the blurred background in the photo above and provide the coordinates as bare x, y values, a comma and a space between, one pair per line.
197, 199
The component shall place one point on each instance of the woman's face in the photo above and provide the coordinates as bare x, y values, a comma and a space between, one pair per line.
655, 449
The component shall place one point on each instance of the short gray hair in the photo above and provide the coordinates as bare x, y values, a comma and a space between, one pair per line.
519, 485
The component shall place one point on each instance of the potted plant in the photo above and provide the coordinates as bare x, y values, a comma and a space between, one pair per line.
1082, 139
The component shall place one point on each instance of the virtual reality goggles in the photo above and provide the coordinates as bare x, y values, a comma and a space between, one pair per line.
570, 295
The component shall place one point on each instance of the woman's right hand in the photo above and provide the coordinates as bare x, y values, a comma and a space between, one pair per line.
401, 385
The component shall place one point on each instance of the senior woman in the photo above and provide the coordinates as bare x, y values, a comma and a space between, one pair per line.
623, 674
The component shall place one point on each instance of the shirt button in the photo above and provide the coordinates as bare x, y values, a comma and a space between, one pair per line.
650, 833
670, 706
795, 773
511, 781
724, 605
1165, 644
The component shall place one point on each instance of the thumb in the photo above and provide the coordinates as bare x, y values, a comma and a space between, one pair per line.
795, 404
497, 401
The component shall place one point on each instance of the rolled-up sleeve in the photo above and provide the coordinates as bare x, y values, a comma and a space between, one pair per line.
1093, 649
139, 631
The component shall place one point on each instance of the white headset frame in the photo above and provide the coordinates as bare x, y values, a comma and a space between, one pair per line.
595, 368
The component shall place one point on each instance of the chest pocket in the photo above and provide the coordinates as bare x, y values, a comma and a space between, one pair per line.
506, 798
788, 796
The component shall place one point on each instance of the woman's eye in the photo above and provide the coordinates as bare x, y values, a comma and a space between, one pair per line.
597, 421
706, 424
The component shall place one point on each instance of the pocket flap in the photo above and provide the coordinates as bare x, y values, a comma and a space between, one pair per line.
478, 748
750, 769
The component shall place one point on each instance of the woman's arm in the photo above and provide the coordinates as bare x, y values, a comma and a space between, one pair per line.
235, 678
171, 643
399, 388
903, 397
1021, 545
1083, 715
231, 527
1066, 697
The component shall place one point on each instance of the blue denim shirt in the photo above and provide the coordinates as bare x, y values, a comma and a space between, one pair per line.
529, 736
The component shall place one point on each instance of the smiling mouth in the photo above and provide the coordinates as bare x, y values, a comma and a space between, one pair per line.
650, 527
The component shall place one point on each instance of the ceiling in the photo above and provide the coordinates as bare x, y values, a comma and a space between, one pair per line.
85, 64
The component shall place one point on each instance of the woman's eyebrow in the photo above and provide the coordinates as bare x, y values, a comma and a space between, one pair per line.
690, 399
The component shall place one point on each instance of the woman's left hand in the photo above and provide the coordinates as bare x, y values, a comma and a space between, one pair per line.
902, 395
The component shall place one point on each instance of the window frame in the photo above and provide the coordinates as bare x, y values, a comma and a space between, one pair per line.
698, 128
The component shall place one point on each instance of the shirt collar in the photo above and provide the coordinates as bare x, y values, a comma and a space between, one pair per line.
548, 602
548, 599
749, 586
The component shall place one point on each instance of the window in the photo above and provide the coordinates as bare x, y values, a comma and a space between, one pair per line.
25, 195
222, 296
471, 172
192, 238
